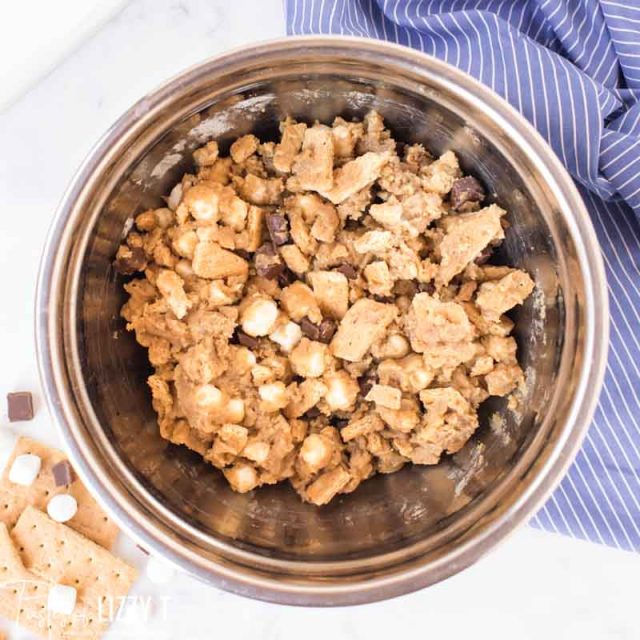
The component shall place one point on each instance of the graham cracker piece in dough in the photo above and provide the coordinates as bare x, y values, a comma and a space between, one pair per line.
90, 520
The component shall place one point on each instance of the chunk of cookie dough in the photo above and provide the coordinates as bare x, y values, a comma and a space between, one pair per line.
497, 297
211, 261
313, 167
363, 324
327, 486
289, 146
354, 176
430, 322
331, 290
449, 419
466, 238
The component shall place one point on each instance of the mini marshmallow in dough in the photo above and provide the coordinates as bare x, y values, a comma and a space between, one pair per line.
25, 469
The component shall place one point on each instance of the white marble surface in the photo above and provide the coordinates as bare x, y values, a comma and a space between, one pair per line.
35, 36
536, 585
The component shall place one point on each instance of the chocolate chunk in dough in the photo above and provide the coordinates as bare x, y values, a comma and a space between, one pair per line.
347, 270
286, 278
246, 340
314, 412
278, 229
312, 331
245, 255
466, 194
268, 263
130, 260
365, 383
326, 329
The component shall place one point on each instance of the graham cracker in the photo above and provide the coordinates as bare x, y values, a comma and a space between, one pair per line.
23, 600
90, 520
56, 553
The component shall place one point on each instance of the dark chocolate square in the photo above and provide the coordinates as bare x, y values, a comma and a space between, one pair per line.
20, 406
63, 474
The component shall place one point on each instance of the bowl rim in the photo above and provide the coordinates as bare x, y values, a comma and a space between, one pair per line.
51, 365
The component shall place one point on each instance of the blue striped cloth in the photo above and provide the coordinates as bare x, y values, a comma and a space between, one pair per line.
572, 68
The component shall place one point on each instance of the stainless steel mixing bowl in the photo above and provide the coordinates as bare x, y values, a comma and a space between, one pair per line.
396, 533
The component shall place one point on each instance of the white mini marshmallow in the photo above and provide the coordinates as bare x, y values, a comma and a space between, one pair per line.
336, 397
287, 336
397, 346
159, 571
315, 451
62, 599
257, 452
25, 469
274, 395
242, 477
420, 379
315, 365
235, 410
62, 508
259, 317
174, 197
208, 396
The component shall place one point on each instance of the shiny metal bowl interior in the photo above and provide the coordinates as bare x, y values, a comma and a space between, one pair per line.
395, 533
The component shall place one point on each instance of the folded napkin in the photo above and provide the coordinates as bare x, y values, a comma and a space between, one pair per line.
572, 68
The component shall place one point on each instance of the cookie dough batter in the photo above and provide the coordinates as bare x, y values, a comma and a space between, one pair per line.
321, 309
